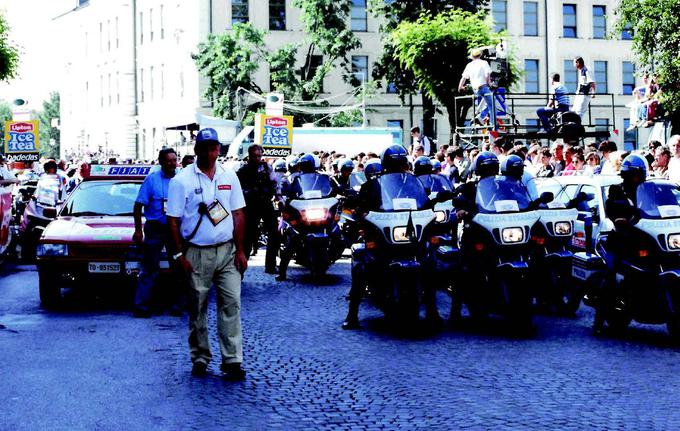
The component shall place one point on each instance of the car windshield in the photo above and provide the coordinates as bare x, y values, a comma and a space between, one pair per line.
312, 186
435, 183
658, 199
97, 198
401, 192
501, 194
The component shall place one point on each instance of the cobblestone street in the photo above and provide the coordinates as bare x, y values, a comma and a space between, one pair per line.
92, 366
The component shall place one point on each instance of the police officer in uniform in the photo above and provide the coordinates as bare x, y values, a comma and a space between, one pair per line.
621, 207
207, 228
259, 186
153, 196
340, 181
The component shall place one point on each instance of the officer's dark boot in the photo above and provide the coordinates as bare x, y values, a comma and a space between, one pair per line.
273, 244
283, 265
431, 312
352, 319
455, 316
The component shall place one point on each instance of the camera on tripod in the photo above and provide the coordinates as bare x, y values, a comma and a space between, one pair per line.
497, 58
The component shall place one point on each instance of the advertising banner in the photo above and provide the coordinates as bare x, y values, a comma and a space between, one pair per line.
22, 141
275, 134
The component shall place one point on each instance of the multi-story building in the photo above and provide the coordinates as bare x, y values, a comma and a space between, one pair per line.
131, 75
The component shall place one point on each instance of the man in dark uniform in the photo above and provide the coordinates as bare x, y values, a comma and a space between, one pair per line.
340, 181
259, 186
621, 207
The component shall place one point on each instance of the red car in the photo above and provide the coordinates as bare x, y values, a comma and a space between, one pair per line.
90, 241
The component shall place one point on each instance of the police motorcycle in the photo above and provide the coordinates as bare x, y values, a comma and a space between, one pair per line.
495, 247
551, 254
637, 275
309, 229
41, 210
389, 266
443, 245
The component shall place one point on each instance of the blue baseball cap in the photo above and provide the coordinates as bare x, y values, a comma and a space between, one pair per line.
207, 135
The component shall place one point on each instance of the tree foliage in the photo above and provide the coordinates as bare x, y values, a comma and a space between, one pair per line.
50, 111
9, 54
230, 60
435, 50
5, 115
656, 41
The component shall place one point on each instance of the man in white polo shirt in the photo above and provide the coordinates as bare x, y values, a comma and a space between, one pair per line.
478, 72
207, 225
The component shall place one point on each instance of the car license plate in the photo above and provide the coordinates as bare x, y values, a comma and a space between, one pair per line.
103, 267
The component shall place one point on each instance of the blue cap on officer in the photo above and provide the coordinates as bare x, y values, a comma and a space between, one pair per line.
207, 135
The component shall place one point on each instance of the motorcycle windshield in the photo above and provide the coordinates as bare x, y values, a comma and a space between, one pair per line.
401, 192
658, 200
435, 183
356, 179
501, 195
312, 186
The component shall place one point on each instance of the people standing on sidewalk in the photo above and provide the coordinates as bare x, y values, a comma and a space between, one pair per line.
207, 227
154, 234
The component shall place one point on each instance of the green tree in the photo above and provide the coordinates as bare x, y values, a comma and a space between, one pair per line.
48, 133
656, 41
435, 50
9, 54
230, 60
392, 14
5, 115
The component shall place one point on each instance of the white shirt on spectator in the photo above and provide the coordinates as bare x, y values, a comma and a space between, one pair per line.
190, 187
674, 170
477, 71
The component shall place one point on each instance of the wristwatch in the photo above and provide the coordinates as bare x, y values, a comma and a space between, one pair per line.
176, 256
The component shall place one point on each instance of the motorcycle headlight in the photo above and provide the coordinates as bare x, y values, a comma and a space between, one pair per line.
563, 228
440, 216
52, 250
512, 235
674, 241
315, 214
399, 234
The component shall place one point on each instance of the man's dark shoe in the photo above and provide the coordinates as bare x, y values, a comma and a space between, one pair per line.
281, 278
351, 323
141, 313
271, 270
200, 369
233, 371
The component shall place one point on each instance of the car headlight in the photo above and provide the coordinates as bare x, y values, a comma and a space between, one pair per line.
315, 214
440, 216
512, 235
52, 250
563, 228
399, 234
674, 241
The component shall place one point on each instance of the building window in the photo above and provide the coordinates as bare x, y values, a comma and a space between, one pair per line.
628, 78
101, 36
569, 20
399, 124
277, 15
150, 25
83, 2
599, 22
239, 11
141, 85
161, 19
359, 15
531, 76
108, 35
360, 67
570, 76
601, 76
627, 33
530, 18
601, 125
141, 28
151, 83
116, 29
499, 10
629, 137
391, 88
117, 87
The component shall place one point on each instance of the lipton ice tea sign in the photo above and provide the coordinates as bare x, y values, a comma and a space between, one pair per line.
275, 134
21, 140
